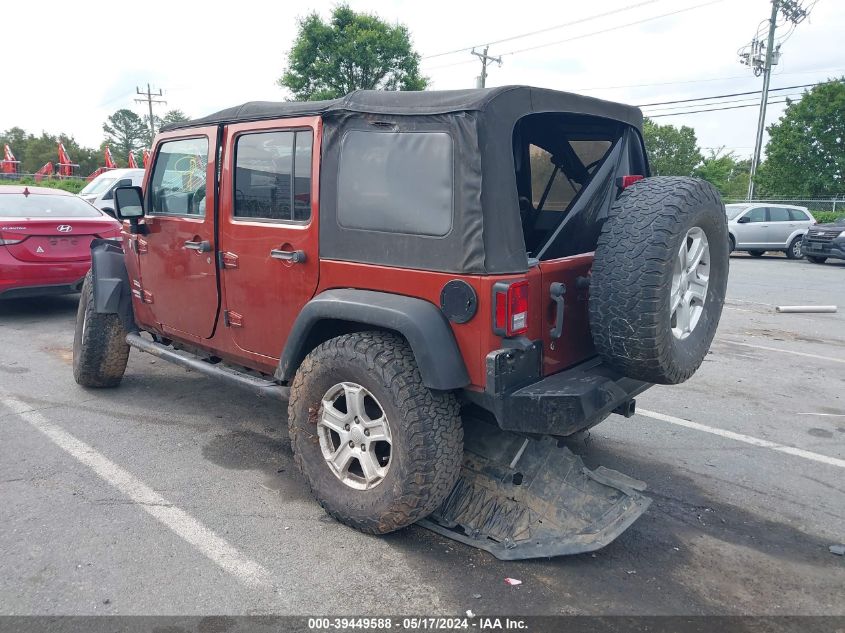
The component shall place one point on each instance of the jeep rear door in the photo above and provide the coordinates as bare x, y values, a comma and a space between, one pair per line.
176, 255
268, 230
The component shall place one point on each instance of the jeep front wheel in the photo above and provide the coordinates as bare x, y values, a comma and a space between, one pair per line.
379, 449
100, 351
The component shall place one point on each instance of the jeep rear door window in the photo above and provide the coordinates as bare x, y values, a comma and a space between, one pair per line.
273, 176
396, 182
178, 186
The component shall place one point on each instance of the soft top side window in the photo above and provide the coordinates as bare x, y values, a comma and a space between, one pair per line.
178, 182
396, 182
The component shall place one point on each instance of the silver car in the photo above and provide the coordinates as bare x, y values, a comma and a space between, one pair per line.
761, 227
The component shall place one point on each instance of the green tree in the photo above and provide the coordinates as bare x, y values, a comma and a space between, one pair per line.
350, 52
672, 151
126, 132
805, 155
726, 172
171, 116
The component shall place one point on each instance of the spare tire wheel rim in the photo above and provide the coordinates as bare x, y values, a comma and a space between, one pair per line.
690, 278
355, 436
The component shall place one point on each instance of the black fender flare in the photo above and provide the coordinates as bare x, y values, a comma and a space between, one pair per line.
110, 280
421, 323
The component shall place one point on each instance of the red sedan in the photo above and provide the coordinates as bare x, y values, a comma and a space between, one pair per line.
45, 239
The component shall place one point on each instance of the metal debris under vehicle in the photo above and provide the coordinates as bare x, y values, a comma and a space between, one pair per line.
528, 498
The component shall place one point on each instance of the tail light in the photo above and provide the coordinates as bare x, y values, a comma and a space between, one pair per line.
510, 308
626, 181
7, 242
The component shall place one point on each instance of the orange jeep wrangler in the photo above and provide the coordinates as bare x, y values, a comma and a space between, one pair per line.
441, 285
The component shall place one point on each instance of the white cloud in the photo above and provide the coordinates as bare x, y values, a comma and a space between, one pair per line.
81, 61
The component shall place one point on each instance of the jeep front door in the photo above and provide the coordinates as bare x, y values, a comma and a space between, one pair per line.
268, 231
176, 255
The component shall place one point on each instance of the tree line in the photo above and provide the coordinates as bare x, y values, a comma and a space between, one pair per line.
123, 131
805, 154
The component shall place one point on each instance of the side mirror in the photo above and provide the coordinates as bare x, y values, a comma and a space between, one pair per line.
129, 205
123, 182
744, 220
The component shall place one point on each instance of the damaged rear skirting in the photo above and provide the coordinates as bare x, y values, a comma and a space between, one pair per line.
524, 498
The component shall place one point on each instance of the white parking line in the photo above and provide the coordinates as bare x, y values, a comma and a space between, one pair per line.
183, 524
740, 437
787, 351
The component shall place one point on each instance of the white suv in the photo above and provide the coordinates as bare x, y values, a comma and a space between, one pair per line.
761, 227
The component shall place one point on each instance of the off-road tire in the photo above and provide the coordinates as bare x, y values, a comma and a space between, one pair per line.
631, 281
756, 253
427, 450
816, 260
790, 250
100, 351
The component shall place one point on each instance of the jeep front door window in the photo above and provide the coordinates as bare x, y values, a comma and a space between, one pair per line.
178, 183
177, 261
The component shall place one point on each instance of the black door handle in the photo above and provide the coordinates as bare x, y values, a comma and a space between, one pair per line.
557, 290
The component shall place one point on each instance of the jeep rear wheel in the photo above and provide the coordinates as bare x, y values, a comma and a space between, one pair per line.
379, 449
100, 351
659, 278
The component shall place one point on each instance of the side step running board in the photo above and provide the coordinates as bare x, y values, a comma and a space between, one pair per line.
259, 386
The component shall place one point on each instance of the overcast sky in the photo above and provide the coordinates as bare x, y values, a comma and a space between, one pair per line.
75, 63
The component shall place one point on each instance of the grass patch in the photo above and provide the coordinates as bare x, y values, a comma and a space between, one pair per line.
73, 185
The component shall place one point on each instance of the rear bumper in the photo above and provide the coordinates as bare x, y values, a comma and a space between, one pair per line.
817, 248
29, 279
561, 404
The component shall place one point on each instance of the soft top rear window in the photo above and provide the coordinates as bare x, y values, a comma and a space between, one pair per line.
556, 156
36, 205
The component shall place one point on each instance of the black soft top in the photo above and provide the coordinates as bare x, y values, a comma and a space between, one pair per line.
486, 232
427, 102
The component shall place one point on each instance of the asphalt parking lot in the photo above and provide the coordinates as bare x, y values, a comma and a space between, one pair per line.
175, 495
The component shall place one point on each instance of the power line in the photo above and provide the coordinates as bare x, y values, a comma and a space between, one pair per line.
717, 103
591, 34
545, 30
615, 28
696, 81
734, 94
748, 105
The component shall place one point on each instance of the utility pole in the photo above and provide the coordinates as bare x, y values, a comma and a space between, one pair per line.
761, 59
149, 98
482, 79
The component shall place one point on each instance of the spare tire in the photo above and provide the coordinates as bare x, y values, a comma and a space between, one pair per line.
658, 280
